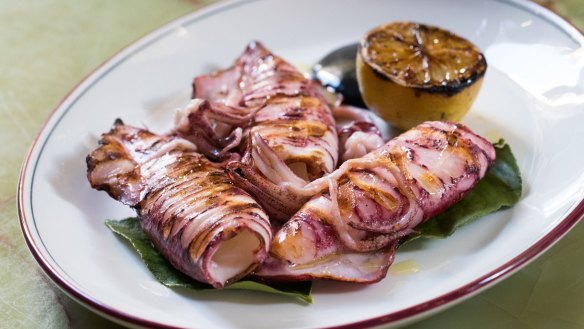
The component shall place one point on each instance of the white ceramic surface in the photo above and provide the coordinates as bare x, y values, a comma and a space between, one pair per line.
533, 96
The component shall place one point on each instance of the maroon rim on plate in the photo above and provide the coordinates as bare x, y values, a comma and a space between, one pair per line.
433, 305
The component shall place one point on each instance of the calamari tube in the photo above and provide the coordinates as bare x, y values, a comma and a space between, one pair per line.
292, 128
205, 226
309, 247
350, 232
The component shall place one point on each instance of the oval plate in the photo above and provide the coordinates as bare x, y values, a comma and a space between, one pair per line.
532, 96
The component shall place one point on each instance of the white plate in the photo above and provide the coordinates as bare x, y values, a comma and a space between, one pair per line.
533, 96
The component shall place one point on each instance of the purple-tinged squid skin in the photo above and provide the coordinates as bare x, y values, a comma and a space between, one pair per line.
308, 247
358, 134
215, 128
374, 201
290, 119
205, 226
358, 138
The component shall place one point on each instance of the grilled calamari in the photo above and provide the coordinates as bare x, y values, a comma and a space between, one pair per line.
358, 135
351, 232
276, 118
204, 225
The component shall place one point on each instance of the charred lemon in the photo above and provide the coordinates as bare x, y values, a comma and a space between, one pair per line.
409, 73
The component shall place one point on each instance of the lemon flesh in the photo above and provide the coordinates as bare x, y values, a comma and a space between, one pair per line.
409, 73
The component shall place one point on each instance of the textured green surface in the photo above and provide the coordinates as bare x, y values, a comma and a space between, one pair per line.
165, 273
48, 46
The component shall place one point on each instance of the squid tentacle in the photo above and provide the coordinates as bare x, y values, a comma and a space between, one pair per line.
215, 128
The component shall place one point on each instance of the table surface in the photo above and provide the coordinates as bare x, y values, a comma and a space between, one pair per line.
48, 46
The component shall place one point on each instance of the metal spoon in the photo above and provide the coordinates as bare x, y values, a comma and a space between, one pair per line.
337, 71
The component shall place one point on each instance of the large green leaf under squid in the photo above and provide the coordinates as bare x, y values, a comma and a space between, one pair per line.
166, 274
500, 188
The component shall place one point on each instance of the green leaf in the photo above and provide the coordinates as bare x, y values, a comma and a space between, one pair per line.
499, 189
293, 289
167, 275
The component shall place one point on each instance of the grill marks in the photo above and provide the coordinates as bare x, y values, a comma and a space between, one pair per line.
288, 109
186, 204
269, 106
267, 123
376, 200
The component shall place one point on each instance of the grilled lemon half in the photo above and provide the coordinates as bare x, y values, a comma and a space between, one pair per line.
409, 73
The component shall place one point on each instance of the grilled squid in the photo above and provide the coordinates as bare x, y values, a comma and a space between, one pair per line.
216, 129
287, 131
358, 135
351, 231
205, 226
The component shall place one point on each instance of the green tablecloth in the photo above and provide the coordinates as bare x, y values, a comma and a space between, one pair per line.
47, 47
